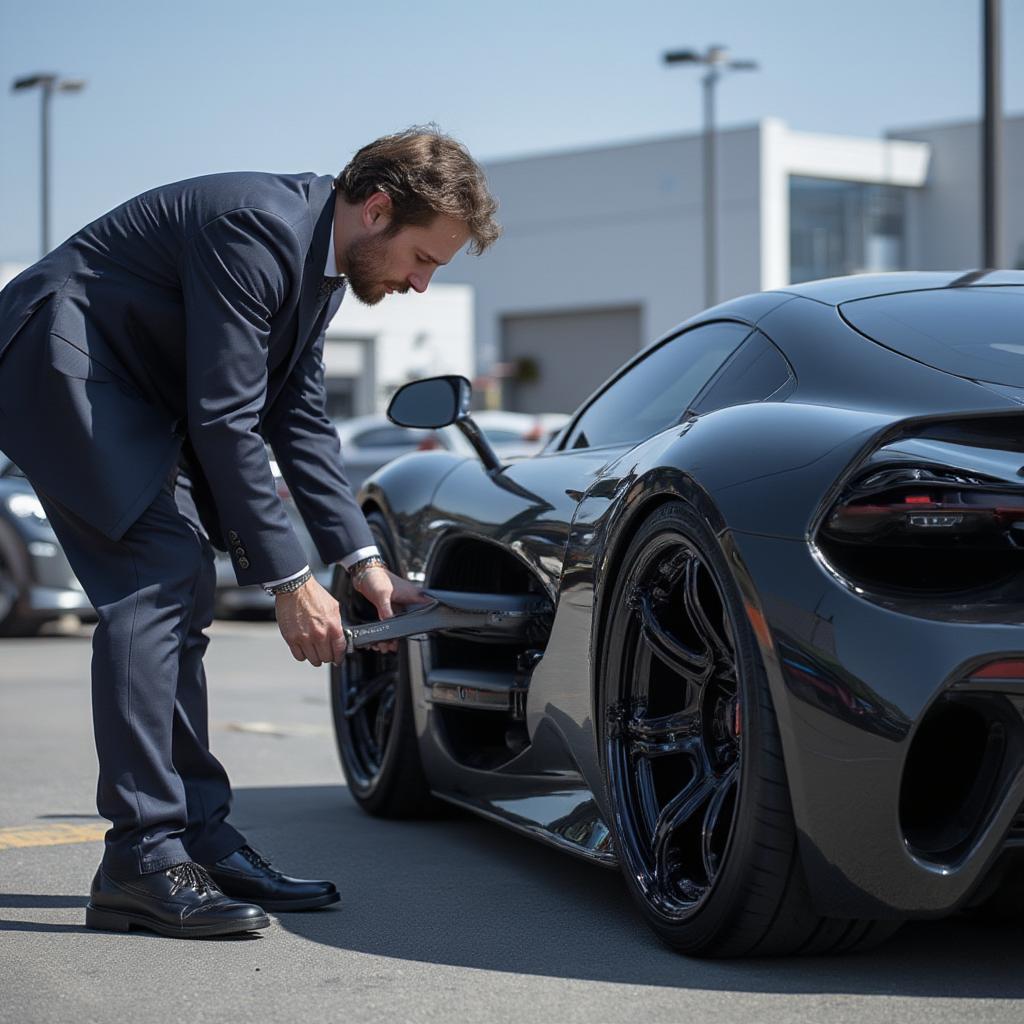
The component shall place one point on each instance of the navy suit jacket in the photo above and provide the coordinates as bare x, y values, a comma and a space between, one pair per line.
188, 316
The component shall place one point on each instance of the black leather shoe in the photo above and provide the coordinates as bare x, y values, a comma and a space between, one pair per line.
246, 875
181, 901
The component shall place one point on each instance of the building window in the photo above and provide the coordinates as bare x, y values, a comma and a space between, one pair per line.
844, 227
341, 402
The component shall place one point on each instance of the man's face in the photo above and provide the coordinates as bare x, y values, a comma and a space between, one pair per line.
377, 264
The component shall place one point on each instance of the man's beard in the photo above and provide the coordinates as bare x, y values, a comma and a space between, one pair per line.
364, 269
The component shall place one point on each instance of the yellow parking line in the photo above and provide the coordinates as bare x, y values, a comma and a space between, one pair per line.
50, 835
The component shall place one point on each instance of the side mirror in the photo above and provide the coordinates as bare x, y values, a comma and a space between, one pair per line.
436, 402
431, 403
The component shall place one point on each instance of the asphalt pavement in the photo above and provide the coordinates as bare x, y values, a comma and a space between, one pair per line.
455, 919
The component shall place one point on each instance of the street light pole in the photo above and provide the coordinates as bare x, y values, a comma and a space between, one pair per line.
717, 61
992, 137
48, 84
710, 80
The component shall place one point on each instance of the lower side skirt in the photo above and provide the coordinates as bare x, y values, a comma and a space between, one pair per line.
569, 820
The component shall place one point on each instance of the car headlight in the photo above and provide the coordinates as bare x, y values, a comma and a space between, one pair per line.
26, 506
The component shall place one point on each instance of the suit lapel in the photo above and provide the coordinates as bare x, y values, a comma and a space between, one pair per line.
321, 208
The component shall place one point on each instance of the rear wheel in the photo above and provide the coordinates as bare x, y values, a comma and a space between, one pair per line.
693, 763
371, 701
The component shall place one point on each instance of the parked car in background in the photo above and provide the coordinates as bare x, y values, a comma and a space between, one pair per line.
36, 581
369, 442
519, 433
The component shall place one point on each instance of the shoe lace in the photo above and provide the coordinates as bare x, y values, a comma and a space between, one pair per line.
189, 875
258, 862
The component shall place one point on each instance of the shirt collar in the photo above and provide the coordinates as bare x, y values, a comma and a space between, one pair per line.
331, 268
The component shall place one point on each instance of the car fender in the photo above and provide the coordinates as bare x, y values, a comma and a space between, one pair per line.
403, 492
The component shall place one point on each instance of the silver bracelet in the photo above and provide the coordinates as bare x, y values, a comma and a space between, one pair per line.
359, 569
291, 586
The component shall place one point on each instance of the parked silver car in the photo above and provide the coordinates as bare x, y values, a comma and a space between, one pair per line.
36, 581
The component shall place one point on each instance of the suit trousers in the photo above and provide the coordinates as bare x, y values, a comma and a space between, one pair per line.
166, 796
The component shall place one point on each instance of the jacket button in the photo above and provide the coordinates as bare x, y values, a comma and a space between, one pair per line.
240, 552
232, 536
243, 563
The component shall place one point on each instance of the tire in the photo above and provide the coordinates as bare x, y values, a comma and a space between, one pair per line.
701, 813
376, 734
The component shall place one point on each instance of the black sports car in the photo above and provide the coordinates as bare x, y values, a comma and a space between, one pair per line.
777, 672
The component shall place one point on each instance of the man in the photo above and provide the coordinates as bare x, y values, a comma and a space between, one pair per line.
165, 344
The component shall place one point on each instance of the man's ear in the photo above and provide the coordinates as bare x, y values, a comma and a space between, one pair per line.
377, 211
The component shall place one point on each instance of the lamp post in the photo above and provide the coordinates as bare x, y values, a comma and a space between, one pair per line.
716, 59
48, 83
992, 136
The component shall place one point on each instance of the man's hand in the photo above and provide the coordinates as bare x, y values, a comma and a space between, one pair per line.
383, 589
310, 622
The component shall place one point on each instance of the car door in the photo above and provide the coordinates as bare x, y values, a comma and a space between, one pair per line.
530, 505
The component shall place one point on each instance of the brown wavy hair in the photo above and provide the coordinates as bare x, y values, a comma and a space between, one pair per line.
424, 172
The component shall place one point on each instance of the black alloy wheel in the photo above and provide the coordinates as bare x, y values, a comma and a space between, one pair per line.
675, 732
693, 765
371, 702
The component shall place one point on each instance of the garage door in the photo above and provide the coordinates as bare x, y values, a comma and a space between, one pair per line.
562, 357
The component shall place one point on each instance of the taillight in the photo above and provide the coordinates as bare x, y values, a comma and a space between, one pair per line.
428, 444
1010, 670
925, 528
918, 506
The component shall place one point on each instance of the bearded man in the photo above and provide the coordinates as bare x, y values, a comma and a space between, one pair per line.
158, 351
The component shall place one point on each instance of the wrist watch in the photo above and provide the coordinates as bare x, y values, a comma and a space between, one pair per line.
359, 569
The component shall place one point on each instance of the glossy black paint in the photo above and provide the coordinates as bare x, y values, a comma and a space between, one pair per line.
851, 677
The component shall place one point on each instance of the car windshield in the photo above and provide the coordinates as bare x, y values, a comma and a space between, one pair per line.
975, 332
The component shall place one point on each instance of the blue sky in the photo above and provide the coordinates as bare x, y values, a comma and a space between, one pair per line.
187, 87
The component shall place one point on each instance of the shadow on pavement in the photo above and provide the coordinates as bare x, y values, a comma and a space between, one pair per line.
467, 893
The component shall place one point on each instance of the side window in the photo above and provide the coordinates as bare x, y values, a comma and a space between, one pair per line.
756, 372
656, 392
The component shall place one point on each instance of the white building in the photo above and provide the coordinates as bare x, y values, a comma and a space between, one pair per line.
372, 350
603, 247
603, 251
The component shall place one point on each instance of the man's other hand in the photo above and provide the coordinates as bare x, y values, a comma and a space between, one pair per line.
383, 589
310, 622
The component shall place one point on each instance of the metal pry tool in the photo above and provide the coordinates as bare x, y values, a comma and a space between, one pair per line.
485, 617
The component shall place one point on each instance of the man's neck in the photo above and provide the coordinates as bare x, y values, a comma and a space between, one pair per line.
346, 226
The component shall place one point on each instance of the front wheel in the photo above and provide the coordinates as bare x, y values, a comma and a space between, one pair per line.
693, 762
371, 702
